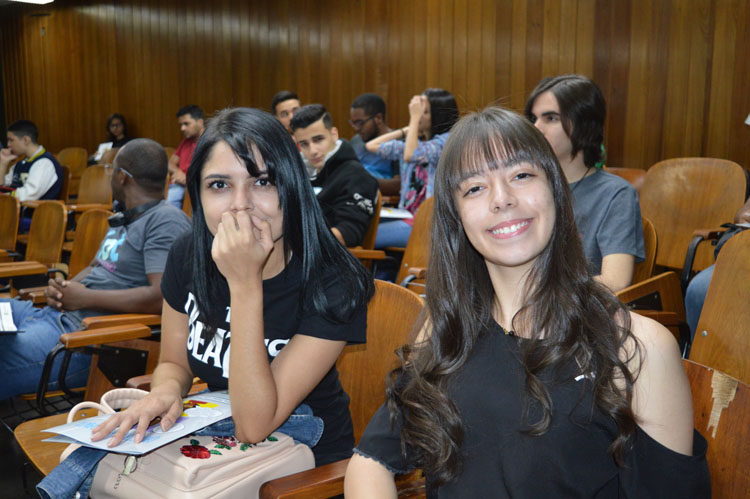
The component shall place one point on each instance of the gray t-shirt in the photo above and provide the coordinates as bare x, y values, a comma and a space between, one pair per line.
608, 216
129, 253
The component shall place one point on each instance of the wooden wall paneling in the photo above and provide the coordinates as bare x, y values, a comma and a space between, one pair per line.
585, 37
673, 73
493, 77
460, 84
519, 89
739, 132
551, 43
634, 140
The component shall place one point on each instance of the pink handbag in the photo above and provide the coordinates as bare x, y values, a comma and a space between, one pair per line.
192, 467
201, 467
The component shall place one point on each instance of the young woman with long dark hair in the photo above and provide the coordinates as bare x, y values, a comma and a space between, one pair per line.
528, 378
261, 263
417, 148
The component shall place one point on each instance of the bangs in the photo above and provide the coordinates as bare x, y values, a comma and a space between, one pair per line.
249, 152
484, 142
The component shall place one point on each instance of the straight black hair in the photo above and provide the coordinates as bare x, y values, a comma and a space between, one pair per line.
582, 113
309, 114
280, 97
304, 229
443, 110
194, 111
371, 103
25, 128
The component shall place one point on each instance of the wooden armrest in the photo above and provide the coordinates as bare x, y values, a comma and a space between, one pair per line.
364, 254
711, 234
15, 269
391, 200
395, 249
78, 208
89, 337
30, 204
328, 480
120, 319
662, 317
418, 272
34, 295
666, 285
323, 481
142, 382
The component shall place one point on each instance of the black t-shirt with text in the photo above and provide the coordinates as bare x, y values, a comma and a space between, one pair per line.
283, 317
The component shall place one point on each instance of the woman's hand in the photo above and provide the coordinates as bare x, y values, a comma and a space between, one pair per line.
417, 105
167, 406
241, 246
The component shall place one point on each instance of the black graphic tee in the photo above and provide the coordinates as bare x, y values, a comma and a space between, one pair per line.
284, 315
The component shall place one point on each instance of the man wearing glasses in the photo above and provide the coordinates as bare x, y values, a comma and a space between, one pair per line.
124, 277
367, 118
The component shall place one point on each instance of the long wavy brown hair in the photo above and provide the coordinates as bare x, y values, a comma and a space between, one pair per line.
568, 316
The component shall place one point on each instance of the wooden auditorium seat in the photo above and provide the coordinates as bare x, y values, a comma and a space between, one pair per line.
10, 210
681, 195
75, 158
721, 413
391, 316
636, 176
91, 229
722, 338
45, 241
645, 269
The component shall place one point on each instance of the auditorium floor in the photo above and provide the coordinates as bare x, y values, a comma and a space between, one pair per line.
14, 467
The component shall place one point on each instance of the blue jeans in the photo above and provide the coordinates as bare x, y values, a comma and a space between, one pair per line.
22, 355
392, 233
695, 295
175, 193
76, 473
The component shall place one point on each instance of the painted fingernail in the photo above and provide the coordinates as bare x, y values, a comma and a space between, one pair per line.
137, 438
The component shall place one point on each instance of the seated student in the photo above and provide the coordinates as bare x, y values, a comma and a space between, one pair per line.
696, 291
367, 118
529, 378
190, 119
124, 277
283, 105
261, 264
431, 116
38, 175
570, 110
346, 192
117, 131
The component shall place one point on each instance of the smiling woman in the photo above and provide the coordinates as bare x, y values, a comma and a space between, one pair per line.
529, 379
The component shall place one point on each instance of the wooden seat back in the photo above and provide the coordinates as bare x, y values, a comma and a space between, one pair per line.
417, 252
391, 316
684, 194
722, 338
108, 158
645, 269
368, 241
187, 206
170, 151
64, 195
47, 233
95, 186
10, 209
91, 228
721, 412
75, 158
636, 176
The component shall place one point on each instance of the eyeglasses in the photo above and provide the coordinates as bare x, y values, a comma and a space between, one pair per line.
110, 169
360, 123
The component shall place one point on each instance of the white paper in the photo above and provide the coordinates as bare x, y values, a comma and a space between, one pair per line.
6, 318
387, 212
103, 147
200, 411
747, 121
